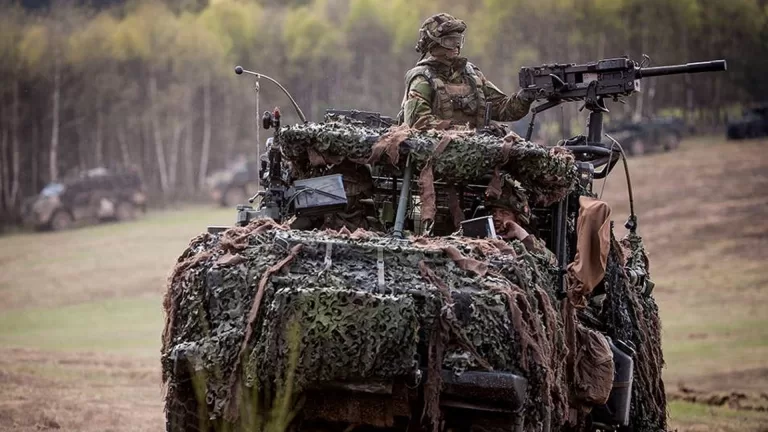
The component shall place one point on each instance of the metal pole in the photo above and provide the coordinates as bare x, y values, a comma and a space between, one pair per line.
595, 128
402, 204
257, 88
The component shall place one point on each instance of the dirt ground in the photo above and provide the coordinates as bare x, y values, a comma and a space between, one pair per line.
80, 311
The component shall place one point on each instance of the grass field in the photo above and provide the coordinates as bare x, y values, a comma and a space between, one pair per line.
80, 311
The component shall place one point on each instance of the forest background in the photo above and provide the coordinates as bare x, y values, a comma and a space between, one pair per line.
150, 84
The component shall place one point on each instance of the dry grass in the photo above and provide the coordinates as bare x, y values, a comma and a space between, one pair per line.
98, 262
695, 417
78, 392
703, 212
80, 322
80, 313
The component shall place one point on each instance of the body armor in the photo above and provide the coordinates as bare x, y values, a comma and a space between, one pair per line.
461, 102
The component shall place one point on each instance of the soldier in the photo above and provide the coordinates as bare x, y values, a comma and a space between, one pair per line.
444, 90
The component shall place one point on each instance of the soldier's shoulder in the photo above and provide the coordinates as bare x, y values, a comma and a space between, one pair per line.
472, 68
419, 74
420, 70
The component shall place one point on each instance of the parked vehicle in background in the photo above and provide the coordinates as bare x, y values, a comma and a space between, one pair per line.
231, 186
88, 197
648, 136
752, 124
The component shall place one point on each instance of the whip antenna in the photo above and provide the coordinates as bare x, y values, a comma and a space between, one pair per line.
239, 70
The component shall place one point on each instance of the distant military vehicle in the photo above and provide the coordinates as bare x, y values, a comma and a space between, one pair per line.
88, 197
648, 136
230, 186
752, 124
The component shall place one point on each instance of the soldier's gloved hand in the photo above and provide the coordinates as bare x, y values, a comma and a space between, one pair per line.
528, 96
493, 129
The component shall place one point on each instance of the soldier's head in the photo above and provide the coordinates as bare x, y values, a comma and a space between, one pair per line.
441, 35
511, 204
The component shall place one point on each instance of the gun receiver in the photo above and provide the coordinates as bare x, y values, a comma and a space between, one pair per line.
611, 78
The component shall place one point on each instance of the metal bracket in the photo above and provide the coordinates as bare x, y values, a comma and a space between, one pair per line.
380, 268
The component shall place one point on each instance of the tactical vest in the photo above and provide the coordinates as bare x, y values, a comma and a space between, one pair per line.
461, 103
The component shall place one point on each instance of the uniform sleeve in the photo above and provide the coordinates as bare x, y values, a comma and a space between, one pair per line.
418, 104
503, 107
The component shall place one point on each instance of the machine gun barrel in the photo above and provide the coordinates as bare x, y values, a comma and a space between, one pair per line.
707, 66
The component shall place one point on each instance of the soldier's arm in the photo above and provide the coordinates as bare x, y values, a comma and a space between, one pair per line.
503, 107
538, 248
417, 110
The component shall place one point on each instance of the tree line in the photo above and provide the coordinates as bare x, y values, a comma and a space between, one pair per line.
150, 84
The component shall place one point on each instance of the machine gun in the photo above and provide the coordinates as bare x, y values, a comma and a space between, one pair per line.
595, 82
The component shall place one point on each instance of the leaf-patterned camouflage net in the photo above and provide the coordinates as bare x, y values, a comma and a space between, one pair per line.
261, 310
547, 174
447, 303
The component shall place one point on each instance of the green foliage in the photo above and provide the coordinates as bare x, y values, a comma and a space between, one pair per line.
93, 42
309, 35
35, 45
329, 53
131, 39
232, 22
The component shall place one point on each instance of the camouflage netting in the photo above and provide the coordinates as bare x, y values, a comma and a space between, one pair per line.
454, 303
260, 310
451, 303
449, 156
633, 316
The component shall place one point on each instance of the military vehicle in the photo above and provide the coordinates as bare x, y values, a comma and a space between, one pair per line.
92, 196
229, 187
382, 282
657, 134
752, 124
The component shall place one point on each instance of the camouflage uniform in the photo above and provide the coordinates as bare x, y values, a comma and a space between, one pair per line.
442, 91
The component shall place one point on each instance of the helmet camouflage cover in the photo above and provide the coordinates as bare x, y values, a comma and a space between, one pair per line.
512, 198
441, 29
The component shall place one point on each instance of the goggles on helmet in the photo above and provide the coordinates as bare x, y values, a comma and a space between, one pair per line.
450, 41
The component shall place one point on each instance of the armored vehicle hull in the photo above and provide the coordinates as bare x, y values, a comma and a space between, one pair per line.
649, 136
91, 197
752, 124
230, 186
356, 321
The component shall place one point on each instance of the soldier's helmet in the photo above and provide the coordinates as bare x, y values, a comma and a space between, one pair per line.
513, 198
441, 29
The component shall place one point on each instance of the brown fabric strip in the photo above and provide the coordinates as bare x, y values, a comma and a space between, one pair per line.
389, 144
494, 186
454, 205
467, 264
594, 239
233, 407
172, 297
230, 259
427, 182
